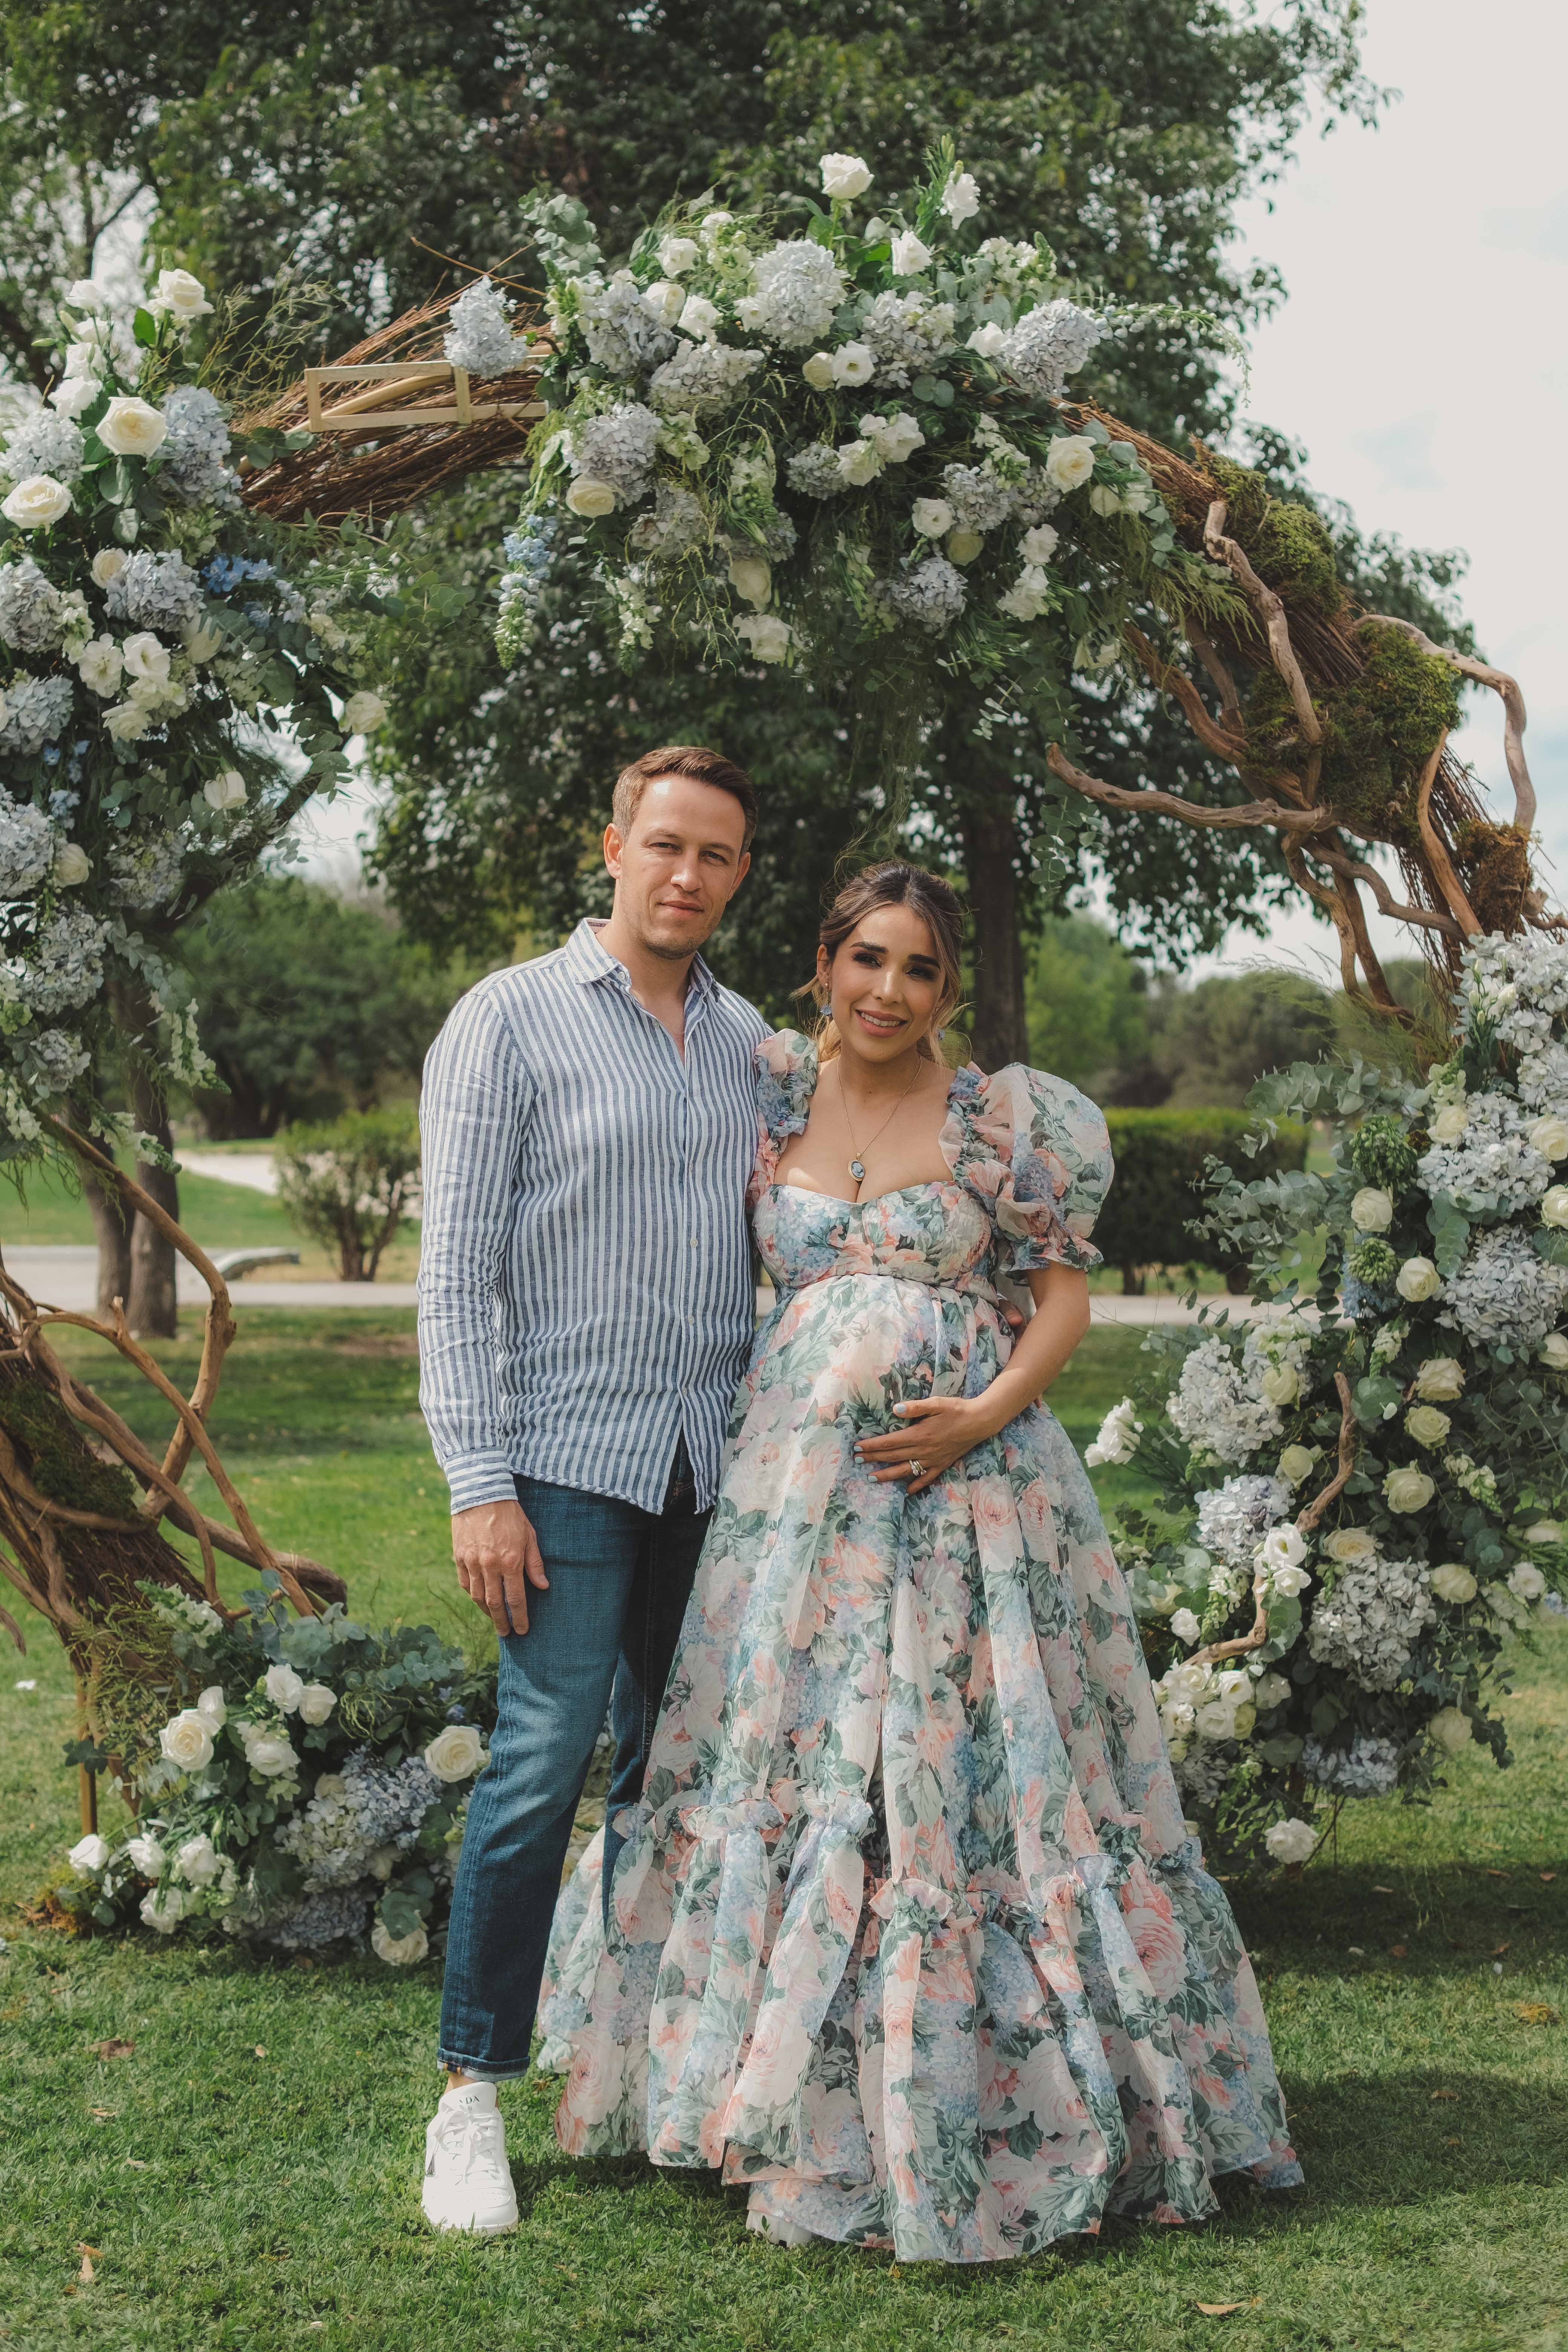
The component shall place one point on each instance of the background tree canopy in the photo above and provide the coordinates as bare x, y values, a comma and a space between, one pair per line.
323, 192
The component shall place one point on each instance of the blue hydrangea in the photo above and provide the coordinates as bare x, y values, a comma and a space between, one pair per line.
35, 712
32, 611
45, 444
155, 591
196, 453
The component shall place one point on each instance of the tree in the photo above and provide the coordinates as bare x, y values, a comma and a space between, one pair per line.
1087, 1001
1211, 1043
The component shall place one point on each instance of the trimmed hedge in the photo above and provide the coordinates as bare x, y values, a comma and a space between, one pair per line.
1157, 1191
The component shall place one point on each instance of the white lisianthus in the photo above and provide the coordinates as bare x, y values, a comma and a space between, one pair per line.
72, 864
590, 498
269, 1754
932, 516
1450, 1727
164, 1909
1283, 1546
1554, 1205
1290, 1842
751, 576
1406, 1488
88, 1854
677, 253
767, 636
1243, 1720
179, 296
1447, 1126
100, 666
1296, 1462
1426, 1425
74, 394
1440, 1380
843, 176
198, 1861
1372, 1210
1118, 1438
1544, 1531
1549, 1136
362, 713
212, 1706
201, 642
1452, 1581
125, 723
1525, 1581
854, 363
1184, 1626
910, 254
987, 342
133, 427
963, 546
1270, 1691
665, 299
1069, 461
186, 1740
36, 502
1417, 1278
144, 1854
225, 792
699, 318
1288, 1582
455, 1754
107, 566
1281, 1384
1351, 1547
961, 198
399, 1952
1555, 1351
284, 1688
1040, 544
859, 462
145, 656
316, 1703
818, 371
896, 438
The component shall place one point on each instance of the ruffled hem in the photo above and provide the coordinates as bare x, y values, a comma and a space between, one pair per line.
899, 2064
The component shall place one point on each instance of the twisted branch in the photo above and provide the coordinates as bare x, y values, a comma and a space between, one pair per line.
1501, 685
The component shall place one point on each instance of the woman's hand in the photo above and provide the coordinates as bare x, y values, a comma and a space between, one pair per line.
937, 1432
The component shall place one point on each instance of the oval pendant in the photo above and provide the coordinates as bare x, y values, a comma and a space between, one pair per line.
858, 1170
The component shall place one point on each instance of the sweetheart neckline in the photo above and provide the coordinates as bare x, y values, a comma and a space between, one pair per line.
838, 1200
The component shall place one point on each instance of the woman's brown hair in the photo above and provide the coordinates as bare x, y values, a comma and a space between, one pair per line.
894, 884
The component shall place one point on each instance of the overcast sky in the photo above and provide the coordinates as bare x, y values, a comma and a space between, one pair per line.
1422, 356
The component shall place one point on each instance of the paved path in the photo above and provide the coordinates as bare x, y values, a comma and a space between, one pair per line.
254, 1169
66, 1276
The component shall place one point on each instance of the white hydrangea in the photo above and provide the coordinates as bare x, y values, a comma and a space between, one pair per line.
906, 333
1503, 1295
932, 594
33, 615
1367, 1623
195, 456
154, 591
795, 290
1048, 345
815, 470
45, 442
702, 377
675, 523
26, 847
34, 711
147, 876
56, 1058
1218, 1409
65, 967
621, 332
618, 448
1494, 1167
1233, 1518
1519, 988
980, 499
479, 336
1367, 1768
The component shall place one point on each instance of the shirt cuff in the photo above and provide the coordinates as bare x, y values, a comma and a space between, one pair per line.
481, 1478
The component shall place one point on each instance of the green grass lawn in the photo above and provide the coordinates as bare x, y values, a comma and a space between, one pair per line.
247, 2171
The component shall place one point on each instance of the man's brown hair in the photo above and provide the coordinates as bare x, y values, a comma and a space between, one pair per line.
690, 759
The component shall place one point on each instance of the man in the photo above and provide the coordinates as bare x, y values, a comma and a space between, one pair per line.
586, 1309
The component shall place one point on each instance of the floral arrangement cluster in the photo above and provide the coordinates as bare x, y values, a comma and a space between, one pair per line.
1430, 1367
775, 443
164, 686
309, 1785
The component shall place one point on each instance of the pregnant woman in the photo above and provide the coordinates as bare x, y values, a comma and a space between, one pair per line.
906, 1935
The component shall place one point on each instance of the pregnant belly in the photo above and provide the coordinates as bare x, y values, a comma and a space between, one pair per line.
852, 1346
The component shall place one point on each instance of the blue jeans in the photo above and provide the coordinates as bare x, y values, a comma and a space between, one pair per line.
603, 1633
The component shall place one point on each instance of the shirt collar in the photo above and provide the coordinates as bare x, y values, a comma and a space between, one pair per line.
591, 963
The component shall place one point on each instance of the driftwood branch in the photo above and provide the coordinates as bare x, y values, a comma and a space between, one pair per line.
1437, 853
1266, 603
1292, 821
1307, 1518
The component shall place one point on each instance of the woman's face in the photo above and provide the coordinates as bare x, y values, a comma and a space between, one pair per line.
884, 985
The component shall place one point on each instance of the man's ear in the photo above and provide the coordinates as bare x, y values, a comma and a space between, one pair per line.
743, 867
614, 846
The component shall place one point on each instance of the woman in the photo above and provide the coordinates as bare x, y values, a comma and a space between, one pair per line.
909, 1934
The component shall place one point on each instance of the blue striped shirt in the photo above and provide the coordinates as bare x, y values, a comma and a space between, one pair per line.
585, 1284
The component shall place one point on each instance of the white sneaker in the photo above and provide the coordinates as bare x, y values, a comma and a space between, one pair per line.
468, 2183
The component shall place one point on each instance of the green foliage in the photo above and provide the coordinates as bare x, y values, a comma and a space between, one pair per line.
1287, 540
1381, 1152
347, 1182
1378, 731
1086, 1000
1162, 1157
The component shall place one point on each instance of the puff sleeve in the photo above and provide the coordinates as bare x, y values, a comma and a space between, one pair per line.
1037, 1154
785, 1066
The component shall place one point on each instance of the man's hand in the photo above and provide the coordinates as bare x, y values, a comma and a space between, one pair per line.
498, 1559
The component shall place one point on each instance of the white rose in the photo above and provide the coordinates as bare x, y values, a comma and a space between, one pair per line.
455, 1754
1407, 1490
198, 1861
1555, 1351
100, 666
316, 1703
961, 198
332, 1784
987, 341
665, 299
1544, 1531
1554, 1205
144, 1854
1040, 543
212, 1706
399, 1952
107, 564
362, 713
1453, 1582
854, 363
698, 317
590, 498
1069, 461
1184, 1626
767, 636
164, 1909
1290, 1840
1526, 1581
201, 642
383, 1863
146, 657
932, 516
1214, 1720
1451, 1729
1440, 1379
677, 253
963, 546
177, 295
859, 462
223, 792
1372, 1210
283, 1687
124, 722
131, 428
751, 576
36, 503
1417, 1278
1426, 1425
1270, 1691
1296, 1462
269, 1754
1351, 1547
911, 255
818, 371
715, 225
72, 864
88, 1854
187, 1740
1549, 1136
1449, 1125
1243, 1720
1281, 1384
843, 176
1288, 1582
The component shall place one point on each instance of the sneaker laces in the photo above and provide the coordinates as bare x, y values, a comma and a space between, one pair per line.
484, 2144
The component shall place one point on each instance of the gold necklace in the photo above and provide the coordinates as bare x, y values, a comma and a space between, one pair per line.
858, 1164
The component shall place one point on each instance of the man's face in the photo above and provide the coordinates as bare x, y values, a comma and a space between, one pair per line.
679, 865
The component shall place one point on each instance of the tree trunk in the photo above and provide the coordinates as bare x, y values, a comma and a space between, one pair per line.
150, 1307
111, 1229
1000, 1031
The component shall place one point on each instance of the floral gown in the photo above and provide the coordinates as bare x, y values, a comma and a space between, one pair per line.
908, 1934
